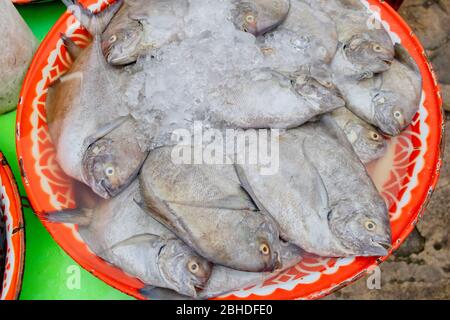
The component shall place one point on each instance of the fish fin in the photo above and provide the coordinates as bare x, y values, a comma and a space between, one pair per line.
81, 217
95, 23
160, 211
137, 239
403, 56
321, 203
333, 128
73, 49
247, 187
233, 202
156, 293
106, 129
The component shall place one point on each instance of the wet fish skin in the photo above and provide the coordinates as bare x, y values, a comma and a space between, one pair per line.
390, 100
327, 215
112, 162
308, 35
359, 216
364, 50
16, 53
83, 111
206, 207
259, 16
224, 280
364, 55
267, 99
367, 142
142, 26
121, 232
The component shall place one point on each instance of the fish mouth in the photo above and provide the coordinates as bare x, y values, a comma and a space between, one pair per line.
378, 248
391, 131
106, 191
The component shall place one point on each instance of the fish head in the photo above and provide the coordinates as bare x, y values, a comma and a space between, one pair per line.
362, 231
370, 52
121, 43
392, 111
109, 166
183, 269
368, 143
263, 233
259, 16
318, 91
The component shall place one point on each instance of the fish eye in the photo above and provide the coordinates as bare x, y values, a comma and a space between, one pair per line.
375, 136
370, 225
250, 18
377, 48
109, 171
193, 267
264, 249
113, 39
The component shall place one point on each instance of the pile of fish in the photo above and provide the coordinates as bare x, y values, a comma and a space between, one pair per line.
333, 85
16, 53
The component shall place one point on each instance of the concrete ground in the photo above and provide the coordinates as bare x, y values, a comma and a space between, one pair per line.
421, 267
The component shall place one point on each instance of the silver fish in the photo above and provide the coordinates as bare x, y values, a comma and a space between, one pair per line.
367, 142
390, 100
83, 111
119, 231
268, 99
224, 280
259, 16
142, 26
365, 49
307, 36
206, 207
322, 198
16, 52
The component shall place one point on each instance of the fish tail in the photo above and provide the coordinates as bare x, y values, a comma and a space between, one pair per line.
81, 217
155, 293
95, 23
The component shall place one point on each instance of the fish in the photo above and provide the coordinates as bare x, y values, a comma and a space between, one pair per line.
112, 162
307, 36
142, 26
365, 47
322, 197
388, 101
258, 17
89, 123
367, 142
2, 245
206, 207
264, 98
225, 280
16, 53
121, 232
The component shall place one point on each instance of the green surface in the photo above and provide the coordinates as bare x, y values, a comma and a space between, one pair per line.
49, 272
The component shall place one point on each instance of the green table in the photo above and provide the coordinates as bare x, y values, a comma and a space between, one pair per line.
49, 272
